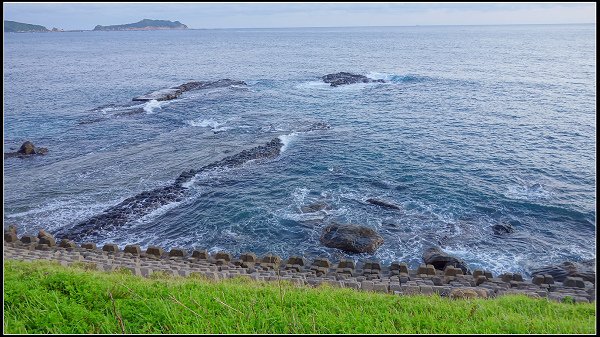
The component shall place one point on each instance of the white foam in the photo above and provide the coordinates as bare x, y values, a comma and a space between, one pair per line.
391, 78
527, 192
214, 125
312, 85
56, 214
150, 106
380, 76
158, 212
287, 139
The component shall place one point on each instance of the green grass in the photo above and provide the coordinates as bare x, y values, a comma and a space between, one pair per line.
44, 297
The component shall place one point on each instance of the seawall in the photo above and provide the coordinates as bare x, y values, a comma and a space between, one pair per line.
367, 275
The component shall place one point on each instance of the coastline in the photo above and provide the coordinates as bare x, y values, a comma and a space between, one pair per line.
367, 275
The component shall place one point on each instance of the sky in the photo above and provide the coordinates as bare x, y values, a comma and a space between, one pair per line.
85, 16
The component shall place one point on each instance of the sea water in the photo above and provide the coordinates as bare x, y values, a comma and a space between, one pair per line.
475, 126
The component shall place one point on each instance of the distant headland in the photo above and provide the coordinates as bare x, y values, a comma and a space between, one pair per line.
145, 24
19, 27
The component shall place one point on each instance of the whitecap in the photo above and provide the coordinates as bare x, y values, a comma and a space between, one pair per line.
287, 139
312, 85
525, 191
151, 105
214, 125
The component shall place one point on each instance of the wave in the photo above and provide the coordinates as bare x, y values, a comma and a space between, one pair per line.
214, 125
396, 78
150, 106
527, 190
311, 85
287, 139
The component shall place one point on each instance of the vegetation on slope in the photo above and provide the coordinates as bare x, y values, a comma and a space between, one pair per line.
14, 27
145, 24
44, 297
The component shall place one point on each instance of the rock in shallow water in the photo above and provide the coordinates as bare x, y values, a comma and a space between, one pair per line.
439, 259
315, 207
347, 78
584, 269
172, 93
351, 238
383, 204
27, 149
504, 228
145, 202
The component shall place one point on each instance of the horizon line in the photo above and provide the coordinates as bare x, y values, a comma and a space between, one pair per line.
296, 27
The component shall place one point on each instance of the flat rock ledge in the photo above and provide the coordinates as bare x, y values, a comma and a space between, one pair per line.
343, 78
172, 93
368, 275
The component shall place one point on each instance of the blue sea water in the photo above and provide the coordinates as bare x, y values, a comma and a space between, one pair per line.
475, 126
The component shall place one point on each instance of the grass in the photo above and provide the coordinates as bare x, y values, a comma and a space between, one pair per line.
44, 297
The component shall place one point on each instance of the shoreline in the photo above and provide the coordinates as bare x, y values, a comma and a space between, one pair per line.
367, 275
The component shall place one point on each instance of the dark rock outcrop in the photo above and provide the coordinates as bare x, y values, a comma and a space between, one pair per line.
315, 207
46, 238
439, 259
351, 238
142, 204
383, 204
160, 95
504, 228
174, 92
347, 78
208, 84
584, 269
25, 150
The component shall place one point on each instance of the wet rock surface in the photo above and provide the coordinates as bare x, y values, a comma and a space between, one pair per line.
367, 275
441, 260
504, 228
27, 149
342, 78
172, 93
315, 207
351, 238
383, 203
142, 204
584, 269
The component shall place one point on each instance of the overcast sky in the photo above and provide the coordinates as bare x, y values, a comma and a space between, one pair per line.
270, 15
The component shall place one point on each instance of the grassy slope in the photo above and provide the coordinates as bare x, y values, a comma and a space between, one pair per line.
43, 297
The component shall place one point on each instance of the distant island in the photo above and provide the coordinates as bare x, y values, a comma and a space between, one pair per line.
145, 24
19, 27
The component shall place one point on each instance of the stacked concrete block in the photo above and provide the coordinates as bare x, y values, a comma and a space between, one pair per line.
201, 254
369, 276
133, 249
177, 252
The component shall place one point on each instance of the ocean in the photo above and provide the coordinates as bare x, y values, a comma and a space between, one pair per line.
475, 126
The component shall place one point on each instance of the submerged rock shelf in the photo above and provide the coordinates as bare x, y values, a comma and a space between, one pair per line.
172, 93
143, 203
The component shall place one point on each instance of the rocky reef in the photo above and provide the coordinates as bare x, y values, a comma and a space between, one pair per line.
351, 238
441, 260
585, 270
383, 203
143, 203
342, 78
26, 150
174, 92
